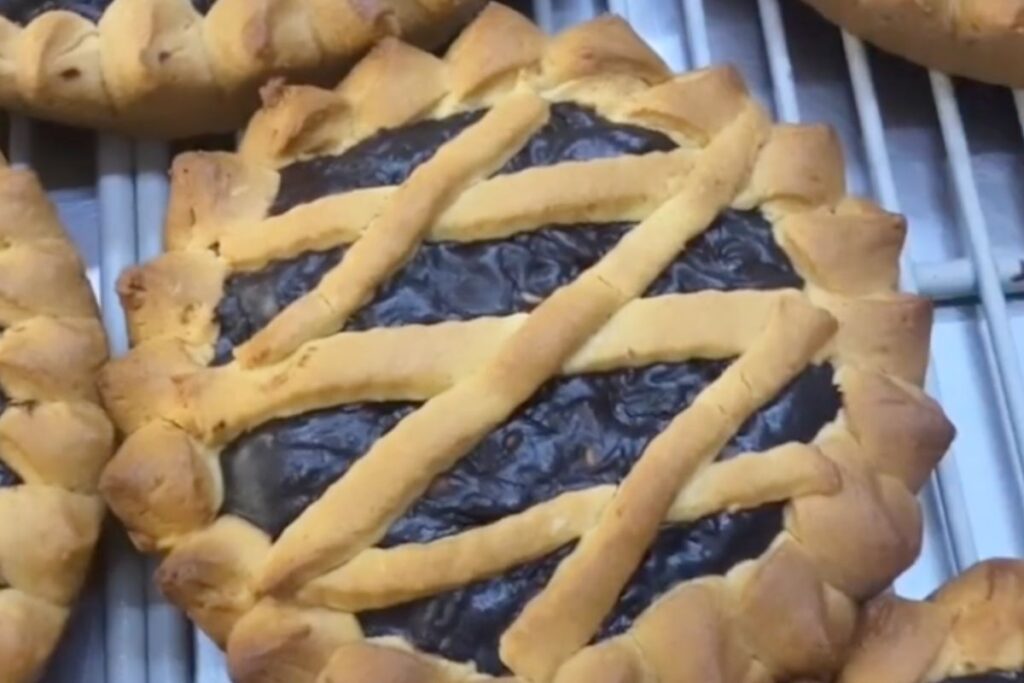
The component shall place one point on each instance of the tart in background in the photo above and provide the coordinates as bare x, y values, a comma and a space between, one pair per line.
54, 437
180, 68
980, 39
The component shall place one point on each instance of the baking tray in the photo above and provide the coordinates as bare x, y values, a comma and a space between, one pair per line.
949, 154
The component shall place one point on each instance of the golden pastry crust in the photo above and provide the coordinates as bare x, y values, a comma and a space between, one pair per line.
53, 433
284, 608
160, 68
972, 625
981, 39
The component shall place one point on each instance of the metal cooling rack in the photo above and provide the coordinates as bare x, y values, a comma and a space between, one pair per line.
949, 154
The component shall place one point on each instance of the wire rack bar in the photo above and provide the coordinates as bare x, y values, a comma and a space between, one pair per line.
993, 300
168, 654
695, 24
125, 574
956, 279
659, 28
19, 140
152, 159
787, 107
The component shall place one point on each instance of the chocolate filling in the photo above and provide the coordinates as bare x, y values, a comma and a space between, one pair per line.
576, 432
24, 11
8, 477
989, 677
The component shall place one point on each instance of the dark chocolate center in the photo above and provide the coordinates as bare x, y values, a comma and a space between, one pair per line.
8, 477
989, 677
24, 11
576, 432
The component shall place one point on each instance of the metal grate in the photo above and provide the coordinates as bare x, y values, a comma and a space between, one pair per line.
944, 152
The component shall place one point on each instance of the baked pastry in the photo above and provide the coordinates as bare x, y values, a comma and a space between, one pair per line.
54, 437
981, 39
178, 68
432, 359
970, 631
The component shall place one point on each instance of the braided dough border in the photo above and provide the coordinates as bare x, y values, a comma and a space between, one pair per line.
973, 624
165, 481
981, 39
53, 433
160, 68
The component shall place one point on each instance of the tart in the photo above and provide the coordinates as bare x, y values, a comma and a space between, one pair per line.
54, 437
535, 360
970, 631
980, 39
179, 68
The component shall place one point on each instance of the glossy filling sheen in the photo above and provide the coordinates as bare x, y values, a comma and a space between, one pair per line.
576, 432
24, 11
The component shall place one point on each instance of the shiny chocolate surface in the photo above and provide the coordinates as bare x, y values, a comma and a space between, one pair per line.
576, 432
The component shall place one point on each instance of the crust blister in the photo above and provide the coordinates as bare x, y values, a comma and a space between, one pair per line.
732, 156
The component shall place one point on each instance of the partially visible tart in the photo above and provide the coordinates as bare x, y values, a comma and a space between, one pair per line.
970, 631
536, 361
54, 437
180, 68
981, 39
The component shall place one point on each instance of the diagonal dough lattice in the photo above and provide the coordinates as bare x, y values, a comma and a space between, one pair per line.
195, 387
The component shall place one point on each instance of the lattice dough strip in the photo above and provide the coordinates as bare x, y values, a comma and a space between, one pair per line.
416, 362
379, 577
625, 188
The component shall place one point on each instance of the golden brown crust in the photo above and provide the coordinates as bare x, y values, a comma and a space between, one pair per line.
369, 661
53, 433
209, 574
165, 482
277, 643
972, 625
159, 68
982, 39
271, 601
29, 630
